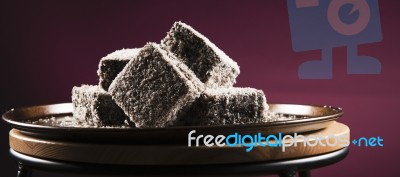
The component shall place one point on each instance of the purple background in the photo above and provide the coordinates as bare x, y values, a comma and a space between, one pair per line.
49, 47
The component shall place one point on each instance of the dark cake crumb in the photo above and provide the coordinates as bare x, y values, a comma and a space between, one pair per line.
112, 64
210, 64
93, 106
154, 88
225, 106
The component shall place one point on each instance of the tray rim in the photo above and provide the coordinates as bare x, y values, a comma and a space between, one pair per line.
28, 126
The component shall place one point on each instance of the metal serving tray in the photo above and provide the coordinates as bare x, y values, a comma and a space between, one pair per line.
307, 118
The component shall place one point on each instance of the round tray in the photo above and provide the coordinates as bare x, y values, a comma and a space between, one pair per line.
316, 118
176, 154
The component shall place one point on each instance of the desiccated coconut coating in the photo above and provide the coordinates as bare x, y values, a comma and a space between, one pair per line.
112, 64
225, 106
154, 89
95, 107
210, 64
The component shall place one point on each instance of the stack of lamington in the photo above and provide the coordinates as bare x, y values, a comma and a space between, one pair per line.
185, 80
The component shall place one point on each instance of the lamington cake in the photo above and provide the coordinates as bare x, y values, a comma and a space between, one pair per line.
225, 106
94, 107
210, 64
154, 89
112, 64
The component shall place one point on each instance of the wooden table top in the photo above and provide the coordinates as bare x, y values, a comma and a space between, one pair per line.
174, 154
